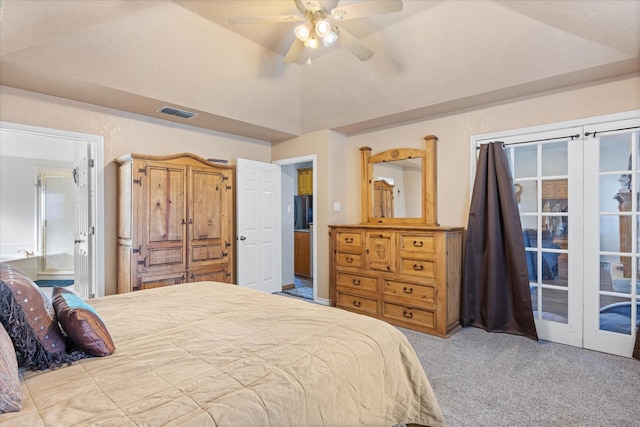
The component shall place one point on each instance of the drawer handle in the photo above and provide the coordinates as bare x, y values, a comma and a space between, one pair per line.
407, 290
377, 236
418, 244
407, 314
356, 282
348, 239
349, 259
357, 303
418, 267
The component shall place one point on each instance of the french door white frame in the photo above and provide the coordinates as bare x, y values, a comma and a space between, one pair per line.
581, 329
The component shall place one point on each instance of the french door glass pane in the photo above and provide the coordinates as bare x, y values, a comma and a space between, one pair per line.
541, 172
525, 161
615, 153
619, 248
554, 159
615, 314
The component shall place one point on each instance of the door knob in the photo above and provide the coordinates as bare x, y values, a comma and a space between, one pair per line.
243, 238
78, 241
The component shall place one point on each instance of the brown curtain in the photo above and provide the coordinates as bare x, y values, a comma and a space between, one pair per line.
495, 286
636, 348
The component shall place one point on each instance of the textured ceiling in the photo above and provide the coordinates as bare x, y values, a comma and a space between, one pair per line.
431, 58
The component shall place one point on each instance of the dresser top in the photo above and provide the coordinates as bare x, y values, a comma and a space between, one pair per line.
399, 227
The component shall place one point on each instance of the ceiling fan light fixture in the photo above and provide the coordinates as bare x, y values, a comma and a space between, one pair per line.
337, 14
323, 28
311, 42
330, 38
303, 31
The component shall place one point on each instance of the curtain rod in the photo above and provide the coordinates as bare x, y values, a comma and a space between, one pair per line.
612, 130
572, 137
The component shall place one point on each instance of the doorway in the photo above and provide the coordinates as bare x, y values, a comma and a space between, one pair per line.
577, 192
31, 149
299, 240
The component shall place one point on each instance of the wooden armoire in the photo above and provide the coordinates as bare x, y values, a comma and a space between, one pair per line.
175, 221
406, 271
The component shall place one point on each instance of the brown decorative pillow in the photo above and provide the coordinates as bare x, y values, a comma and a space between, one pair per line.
28, 317
81, 323
10, 391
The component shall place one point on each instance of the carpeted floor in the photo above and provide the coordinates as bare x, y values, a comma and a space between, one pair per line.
490, 379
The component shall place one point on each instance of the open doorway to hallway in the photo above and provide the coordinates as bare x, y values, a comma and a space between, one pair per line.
298, 234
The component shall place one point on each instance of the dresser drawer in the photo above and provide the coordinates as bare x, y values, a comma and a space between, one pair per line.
417, 267
415, 245
347, 259
357, 303
426, 318
357, 282
349, 240
411, 293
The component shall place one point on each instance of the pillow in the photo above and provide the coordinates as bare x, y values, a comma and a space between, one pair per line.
29, 319
10, 391
82, 323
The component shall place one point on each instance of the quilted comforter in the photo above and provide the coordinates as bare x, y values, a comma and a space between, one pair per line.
213, 354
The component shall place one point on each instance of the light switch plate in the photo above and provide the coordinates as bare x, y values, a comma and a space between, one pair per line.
336, 206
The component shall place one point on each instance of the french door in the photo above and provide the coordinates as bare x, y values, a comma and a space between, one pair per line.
579, 201
612, 175
546, 168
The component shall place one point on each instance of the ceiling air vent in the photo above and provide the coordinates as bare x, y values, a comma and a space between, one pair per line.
178, 113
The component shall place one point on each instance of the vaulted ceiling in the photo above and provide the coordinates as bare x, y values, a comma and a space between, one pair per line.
431, 58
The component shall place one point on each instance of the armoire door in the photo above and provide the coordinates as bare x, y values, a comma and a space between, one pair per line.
161, 217
209, 214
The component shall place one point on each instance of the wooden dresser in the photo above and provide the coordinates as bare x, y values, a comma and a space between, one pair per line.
175, 221
409, 276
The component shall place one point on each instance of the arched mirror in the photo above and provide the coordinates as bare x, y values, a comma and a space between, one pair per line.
399, 185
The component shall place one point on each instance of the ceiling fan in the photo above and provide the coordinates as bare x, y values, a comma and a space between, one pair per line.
320, 24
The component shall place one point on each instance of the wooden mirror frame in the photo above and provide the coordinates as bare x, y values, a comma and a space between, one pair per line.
429, 183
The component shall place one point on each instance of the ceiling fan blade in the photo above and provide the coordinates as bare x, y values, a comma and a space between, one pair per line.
301, 8
371, 7
294, 51
354, 45
265, 19
328, 4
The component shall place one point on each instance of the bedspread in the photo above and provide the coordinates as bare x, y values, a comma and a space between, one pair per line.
213, 354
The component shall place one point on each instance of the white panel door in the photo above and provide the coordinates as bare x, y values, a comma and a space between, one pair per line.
84, 229
258, 225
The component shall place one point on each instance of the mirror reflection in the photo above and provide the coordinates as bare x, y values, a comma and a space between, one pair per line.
397, 189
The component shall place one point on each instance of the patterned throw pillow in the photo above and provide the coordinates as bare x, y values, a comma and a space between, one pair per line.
81, 323
28, 317
10, 391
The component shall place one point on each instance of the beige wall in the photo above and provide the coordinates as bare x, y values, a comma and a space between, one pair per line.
337, 159
123, 133
329, 150
455, 130
339, 156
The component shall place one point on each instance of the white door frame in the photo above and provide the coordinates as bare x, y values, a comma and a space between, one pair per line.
98, 189
314, 243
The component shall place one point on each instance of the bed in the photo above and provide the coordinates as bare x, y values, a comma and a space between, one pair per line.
214, 354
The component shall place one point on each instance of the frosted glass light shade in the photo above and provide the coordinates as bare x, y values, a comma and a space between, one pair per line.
303, 31
322, 28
